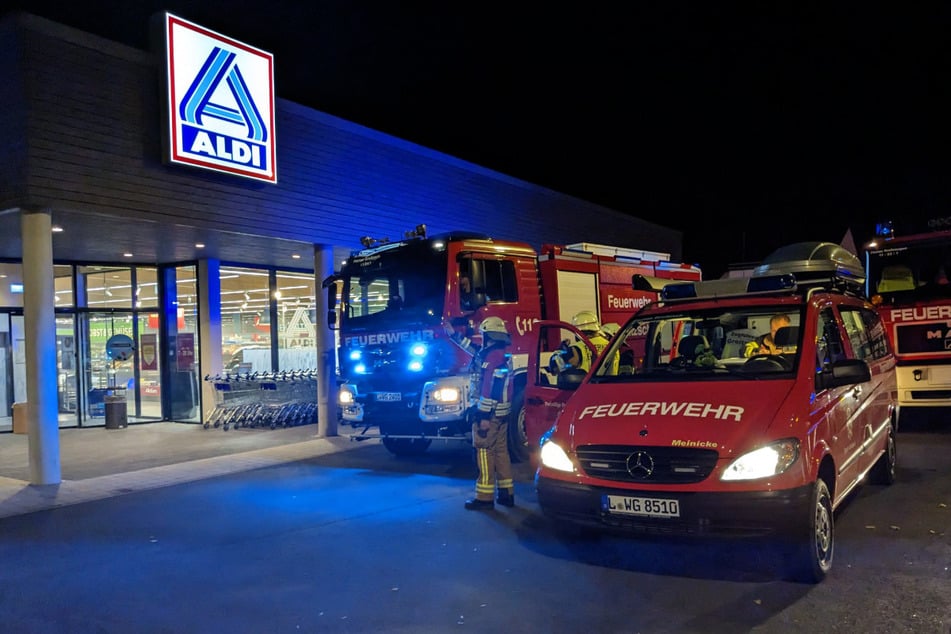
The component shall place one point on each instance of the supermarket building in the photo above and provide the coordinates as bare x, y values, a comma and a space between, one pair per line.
116, 232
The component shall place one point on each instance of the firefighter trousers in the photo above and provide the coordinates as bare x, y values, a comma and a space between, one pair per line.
492, 458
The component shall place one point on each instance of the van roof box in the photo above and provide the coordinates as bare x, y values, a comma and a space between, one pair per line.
813, 261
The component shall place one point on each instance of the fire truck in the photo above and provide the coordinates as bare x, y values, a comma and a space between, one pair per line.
907, 268
406, 311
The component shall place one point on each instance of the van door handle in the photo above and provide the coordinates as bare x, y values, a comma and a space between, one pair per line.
857, 391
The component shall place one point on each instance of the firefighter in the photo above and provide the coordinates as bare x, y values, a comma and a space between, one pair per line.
490, 426
765, 343
578, 354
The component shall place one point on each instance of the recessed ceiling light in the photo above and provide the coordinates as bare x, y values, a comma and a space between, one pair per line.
296, 256
199, 245
127, 255
56, 229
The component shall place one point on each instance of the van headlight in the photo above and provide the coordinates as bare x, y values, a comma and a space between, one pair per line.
764, 462
554, 457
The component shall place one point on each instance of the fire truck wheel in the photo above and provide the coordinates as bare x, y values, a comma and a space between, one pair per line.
407, 446
811, 556
518, 439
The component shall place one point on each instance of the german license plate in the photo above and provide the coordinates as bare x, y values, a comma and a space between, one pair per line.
642, 507
389, 396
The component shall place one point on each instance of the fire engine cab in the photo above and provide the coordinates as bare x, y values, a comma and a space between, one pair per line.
741, 407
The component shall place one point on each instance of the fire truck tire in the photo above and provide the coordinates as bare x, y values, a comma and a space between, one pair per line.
407, 446
811, 557
884, 470
518, 440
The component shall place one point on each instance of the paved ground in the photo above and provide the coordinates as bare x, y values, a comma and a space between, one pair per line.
97, 463
260, 531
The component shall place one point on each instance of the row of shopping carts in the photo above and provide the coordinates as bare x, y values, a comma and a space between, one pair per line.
264, 399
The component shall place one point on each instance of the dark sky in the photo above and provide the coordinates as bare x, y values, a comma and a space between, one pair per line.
745, 126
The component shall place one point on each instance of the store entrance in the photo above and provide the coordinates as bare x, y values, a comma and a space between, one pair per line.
112, 368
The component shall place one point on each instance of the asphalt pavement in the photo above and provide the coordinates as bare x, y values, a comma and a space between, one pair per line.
168, 528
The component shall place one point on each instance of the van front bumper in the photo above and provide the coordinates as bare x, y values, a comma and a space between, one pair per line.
748, 513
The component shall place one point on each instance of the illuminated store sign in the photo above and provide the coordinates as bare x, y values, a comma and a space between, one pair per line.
220, 102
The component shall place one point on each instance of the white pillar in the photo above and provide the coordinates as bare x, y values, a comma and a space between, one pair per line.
40, 330
209, 316
326, 351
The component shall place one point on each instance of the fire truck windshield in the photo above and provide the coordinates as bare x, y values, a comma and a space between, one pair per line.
913, 271
394, 286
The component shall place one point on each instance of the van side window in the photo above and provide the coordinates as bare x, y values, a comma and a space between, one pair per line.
876, 332
829, 345
858, 335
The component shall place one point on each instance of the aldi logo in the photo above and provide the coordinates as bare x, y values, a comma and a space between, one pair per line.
220, 102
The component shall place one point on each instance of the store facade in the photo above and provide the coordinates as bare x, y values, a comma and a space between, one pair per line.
203, 271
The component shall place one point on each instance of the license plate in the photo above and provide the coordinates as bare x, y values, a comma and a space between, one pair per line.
389, 396
642, 507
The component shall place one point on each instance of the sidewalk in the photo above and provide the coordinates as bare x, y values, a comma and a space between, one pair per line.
97, 463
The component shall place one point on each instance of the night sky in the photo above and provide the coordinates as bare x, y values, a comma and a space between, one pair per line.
745, 126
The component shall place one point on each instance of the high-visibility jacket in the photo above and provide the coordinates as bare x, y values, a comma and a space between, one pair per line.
495, 389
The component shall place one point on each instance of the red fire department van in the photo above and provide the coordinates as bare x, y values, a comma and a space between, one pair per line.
743, 407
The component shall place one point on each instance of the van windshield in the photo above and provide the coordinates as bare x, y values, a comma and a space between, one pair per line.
751, 341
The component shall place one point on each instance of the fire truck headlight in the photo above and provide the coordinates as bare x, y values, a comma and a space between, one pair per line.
446, 395
554, 457
345, 397
764, 462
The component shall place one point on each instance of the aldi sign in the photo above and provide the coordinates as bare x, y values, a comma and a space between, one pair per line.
220, 96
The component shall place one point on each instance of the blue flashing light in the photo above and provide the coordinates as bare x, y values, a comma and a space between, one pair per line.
415, 366
360, 368
771, 283
419, 350
355, 355
885, 229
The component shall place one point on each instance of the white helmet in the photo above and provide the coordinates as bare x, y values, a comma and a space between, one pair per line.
494, 328
586, 321
610, 330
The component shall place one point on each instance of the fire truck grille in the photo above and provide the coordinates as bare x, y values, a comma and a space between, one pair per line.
650, 465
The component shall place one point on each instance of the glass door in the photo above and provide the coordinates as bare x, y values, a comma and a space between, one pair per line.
12, 367
104, 372
67, 361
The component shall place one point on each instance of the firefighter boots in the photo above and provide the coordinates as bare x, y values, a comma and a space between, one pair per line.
475, 504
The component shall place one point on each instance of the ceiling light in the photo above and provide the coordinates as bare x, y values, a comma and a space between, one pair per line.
296, 256
108, 292
127, 255
56, 229
199, 245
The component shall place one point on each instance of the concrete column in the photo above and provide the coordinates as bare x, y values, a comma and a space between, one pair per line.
326, 350
40, 330
209, 319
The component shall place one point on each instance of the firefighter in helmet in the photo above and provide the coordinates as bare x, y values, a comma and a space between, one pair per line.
490, 426
579, 355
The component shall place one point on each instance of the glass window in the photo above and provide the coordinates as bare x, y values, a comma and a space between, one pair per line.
297, 313
11, 284
107, 286
63, 285
146, 287
246, 319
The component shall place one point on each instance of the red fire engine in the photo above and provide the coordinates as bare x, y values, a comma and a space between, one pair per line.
907, 272
405, 306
